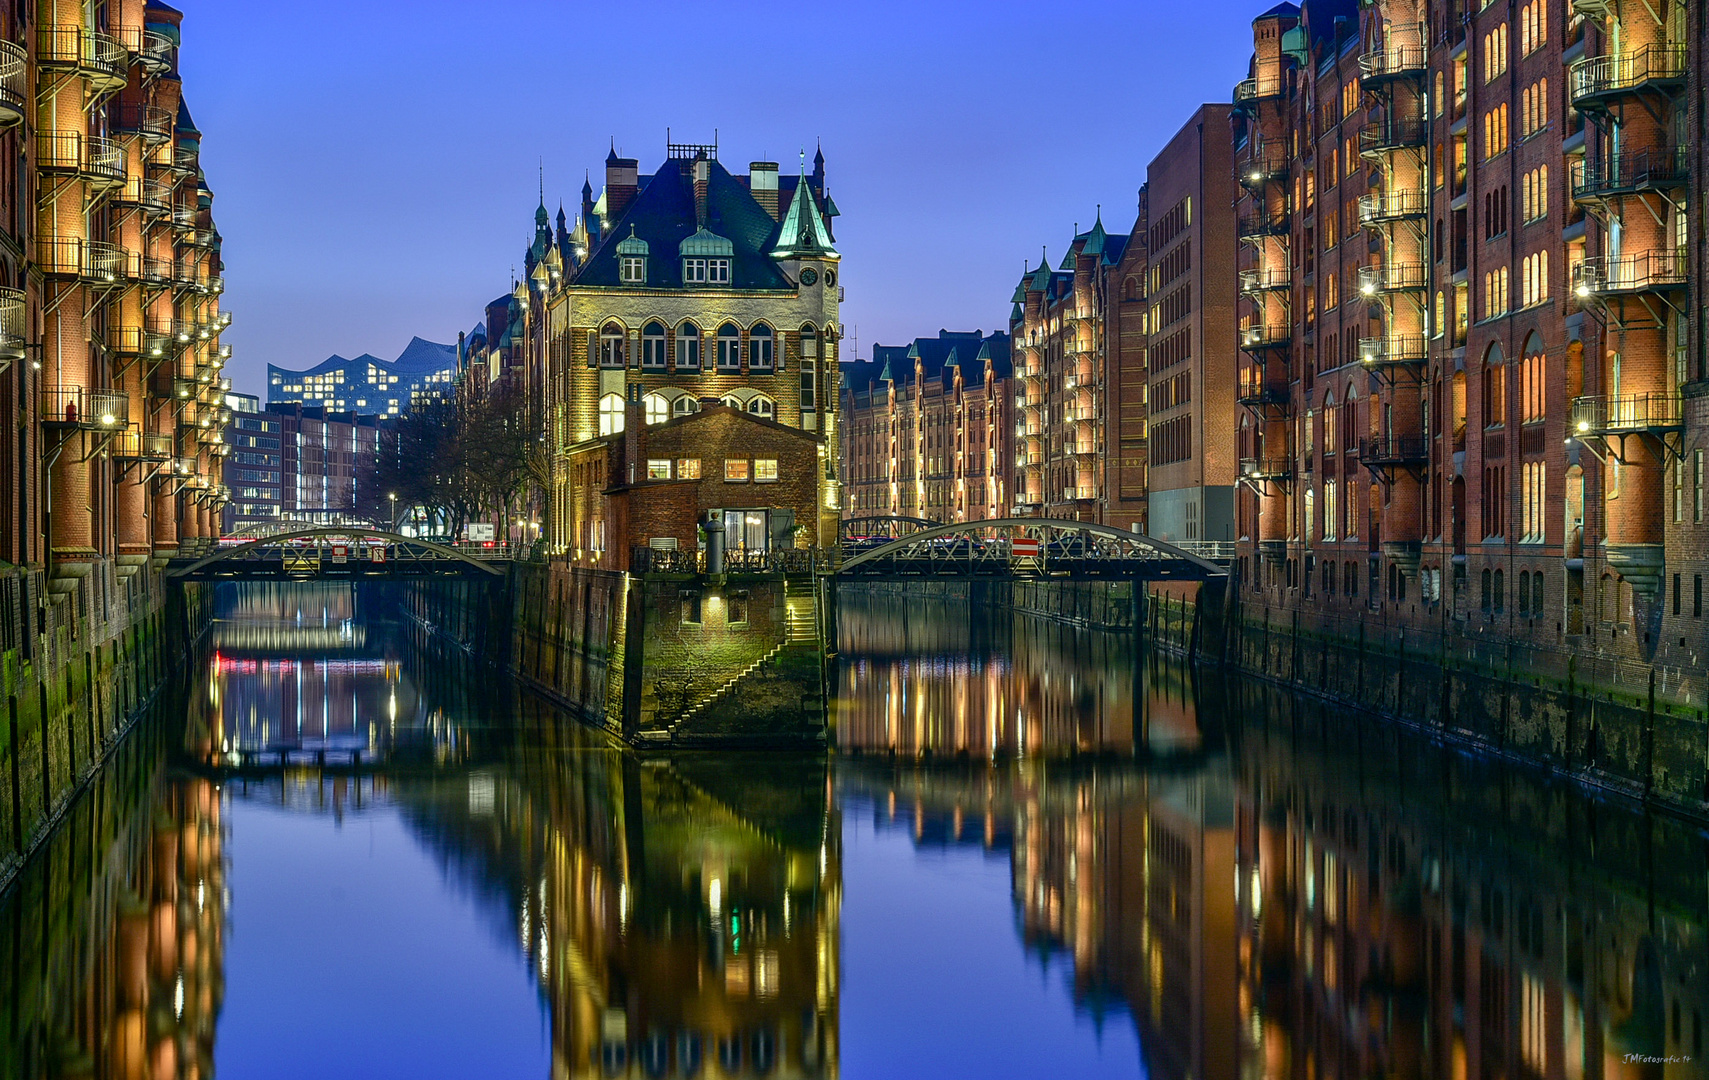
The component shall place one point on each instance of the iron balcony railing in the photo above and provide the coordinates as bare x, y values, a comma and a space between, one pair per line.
14, 322
1394, 349
1595, 77
1252, 226
155, 272
133, 445
1253, 391
151, 196
155, 51
1265, 335
1265, 278
1645, 271
183, 218
92, 261
1394, 449
14, 83
1394, 205
76, 407
154, 124
103, 161
1381, 136
59, 151
1392, 277
1262, 167
102, 58
1396, 59
1256, 89
1599, 414
1632, 171
184, 157
1265, 468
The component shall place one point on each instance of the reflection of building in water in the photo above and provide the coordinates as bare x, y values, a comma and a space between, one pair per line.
945, 678
114, 956
671, 932
1407, 912
312, 617
1129, 873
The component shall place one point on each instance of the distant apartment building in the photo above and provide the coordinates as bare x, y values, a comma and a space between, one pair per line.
423, 371
1187, 288
1063, 385
928, 429
303, 464
1476, 396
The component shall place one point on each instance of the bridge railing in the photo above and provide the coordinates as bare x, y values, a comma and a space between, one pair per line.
647, 560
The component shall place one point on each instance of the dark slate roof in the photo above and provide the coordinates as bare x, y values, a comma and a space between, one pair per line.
1114, 248
995, 350
934, 353
1283, 9
663, 215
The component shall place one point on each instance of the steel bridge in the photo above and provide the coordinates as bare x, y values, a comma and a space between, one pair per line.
339, 552
1019, 548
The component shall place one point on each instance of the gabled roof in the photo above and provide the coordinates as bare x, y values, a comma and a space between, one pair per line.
662, 215
995, 350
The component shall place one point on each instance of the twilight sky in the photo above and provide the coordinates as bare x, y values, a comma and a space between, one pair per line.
375, 164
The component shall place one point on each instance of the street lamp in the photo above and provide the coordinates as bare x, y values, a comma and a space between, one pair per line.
392, 495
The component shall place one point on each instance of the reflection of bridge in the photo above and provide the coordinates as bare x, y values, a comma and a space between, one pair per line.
1035, 548
339, 552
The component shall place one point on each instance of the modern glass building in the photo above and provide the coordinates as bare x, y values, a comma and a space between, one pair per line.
367, 384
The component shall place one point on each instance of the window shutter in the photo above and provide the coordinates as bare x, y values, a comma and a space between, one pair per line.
593, 348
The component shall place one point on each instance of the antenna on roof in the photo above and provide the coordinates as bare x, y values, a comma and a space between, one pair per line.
542, 181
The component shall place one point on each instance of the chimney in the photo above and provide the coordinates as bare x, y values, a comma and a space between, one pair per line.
633, 422
702, 180
622, 182
762, 181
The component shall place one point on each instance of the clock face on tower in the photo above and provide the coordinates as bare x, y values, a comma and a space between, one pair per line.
809, 276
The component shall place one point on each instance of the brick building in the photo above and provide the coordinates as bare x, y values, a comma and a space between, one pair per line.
684, 289
1182, 277
110, 281
1466, 350
928, 429
302, 463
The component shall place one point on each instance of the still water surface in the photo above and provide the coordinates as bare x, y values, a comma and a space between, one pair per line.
1038, 854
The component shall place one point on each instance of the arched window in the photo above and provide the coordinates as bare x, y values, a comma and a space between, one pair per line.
653, 345
686, 405
1537, 595
729, 348
1500, 594
1486, 595
809, 341
762, 357
657, 408
611, 346
762, 407
1524, 592
611, 414
688, 347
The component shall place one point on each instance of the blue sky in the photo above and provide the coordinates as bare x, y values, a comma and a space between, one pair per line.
376, 172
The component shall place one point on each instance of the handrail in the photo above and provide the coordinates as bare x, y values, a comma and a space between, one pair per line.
1595, 413
1383, 449
14, 77
77, 407
1592, 76
355, 534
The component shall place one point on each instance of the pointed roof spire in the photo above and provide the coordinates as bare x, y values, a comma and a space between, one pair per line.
587, 187
803, 231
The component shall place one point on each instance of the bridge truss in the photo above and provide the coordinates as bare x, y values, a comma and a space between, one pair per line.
338, 552
1026, 548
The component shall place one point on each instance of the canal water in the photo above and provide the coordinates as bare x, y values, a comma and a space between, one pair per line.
1038, 852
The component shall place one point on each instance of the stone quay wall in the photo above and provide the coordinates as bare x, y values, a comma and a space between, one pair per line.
76, 669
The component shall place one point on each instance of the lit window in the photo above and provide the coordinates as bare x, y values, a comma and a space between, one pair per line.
611, 414
729, 348
765, 469
611, 346
735, 470
657, 409
658, 468
653, 345
688, 468
760, 349
688, 347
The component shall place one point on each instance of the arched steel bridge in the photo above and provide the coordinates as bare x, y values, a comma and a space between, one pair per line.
1024, 548
338, 551
880, 526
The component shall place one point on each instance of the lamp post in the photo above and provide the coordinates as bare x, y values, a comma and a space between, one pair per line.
393, 496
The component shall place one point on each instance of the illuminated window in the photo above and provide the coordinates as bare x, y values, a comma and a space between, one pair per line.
611, 414
688, 468
611, 346
765, 469
658, 468
656, 408
736, 470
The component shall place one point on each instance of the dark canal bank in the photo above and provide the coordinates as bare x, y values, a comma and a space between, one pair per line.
1032, 852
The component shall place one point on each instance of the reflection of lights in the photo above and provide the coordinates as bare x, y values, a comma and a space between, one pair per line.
715, 897
178, 999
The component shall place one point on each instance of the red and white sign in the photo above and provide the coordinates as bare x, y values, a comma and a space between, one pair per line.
1023, 547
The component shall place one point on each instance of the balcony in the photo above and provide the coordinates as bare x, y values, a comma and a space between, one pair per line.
1248, 92
1595, 81
14, 84
186, 274
1266, 469
1629, 414
103, 162
185, 157
14, 321
1265, 279
1258, 336
90, 261
152, 197
100, 58
135, 446
183, 218
153, 124
216, 285
1257, 393
1393, 278
1624, 275
1386, 206
1264, 167
155, 272
1257, 226
1383, 136
1376, 451
1631, 173
85, 410
155, 52
1397, 349
1395, 61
